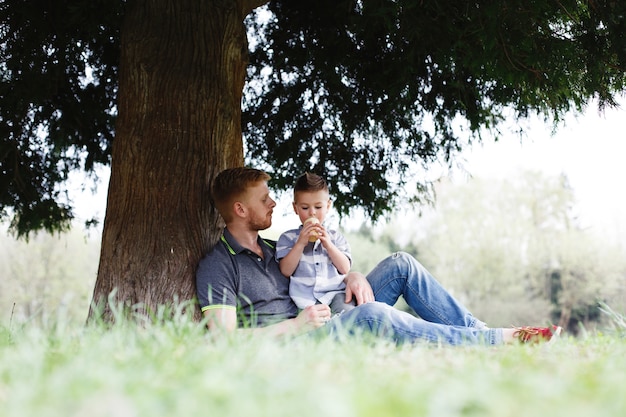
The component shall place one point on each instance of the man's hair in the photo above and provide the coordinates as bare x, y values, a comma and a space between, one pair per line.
231, 184
309, 182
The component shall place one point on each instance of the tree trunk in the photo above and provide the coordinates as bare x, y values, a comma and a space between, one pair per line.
182, 71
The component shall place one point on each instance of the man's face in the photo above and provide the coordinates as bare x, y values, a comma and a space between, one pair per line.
259, 205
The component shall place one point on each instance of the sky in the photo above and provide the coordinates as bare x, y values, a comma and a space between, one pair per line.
589, 149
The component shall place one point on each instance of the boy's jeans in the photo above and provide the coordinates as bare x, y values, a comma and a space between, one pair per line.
442, 318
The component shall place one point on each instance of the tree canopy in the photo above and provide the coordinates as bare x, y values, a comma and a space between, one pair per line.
365, 90
359, 91
58, 85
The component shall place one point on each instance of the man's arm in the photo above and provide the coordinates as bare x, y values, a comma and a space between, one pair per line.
312, 317
221, 318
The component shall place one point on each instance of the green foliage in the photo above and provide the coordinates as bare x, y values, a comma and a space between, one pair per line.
58, 87
360, 91
363, 92
170, 370
617, 319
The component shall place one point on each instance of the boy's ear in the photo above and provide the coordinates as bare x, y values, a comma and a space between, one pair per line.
293, 204
330, 203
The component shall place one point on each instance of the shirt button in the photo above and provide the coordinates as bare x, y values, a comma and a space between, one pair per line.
259, 259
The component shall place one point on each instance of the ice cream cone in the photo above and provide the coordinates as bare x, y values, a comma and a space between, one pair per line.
313, 236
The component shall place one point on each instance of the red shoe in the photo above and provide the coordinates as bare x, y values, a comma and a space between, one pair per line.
537, 334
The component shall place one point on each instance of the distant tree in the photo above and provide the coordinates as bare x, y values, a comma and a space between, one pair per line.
49, 278
367, 250
356, 90
514, 250
575, 270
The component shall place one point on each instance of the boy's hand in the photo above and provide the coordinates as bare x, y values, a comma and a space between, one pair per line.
324, 237
311, 231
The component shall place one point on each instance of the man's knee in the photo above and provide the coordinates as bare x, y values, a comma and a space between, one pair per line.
405, 261
397, 258
401, 256
371, 310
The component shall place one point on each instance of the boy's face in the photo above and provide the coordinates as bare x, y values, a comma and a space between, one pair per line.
311, 204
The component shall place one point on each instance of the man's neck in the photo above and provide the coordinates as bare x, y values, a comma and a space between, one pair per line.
244, 236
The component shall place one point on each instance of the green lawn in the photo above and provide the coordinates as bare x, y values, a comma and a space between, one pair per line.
175, 369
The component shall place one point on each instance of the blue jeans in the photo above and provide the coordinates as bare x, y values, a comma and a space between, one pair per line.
442, 319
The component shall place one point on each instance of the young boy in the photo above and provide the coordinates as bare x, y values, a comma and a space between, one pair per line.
315, 258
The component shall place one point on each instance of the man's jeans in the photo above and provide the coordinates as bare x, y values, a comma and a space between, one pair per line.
442, 318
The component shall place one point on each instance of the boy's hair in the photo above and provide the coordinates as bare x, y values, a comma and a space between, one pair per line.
231, 184
310, 182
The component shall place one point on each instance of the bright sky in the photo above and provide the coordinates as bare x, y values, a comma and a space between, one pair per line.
589, 149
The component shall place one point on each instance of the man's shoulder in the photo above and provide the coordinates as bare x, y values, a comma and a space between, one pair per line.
216, 266
218, 251
269, 242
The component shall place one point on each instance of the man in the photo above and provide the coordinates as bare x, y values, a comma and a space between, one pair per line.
240, 286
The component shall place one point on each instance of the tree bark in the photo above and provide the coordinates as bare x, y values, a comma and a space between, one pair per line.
182, 71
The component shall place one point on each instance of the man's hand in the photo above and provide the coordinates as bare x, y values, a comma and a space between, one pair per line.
313, 317
358, 287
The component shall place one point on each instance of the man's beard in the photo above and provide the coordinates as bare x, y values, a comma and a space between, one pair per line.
260, 223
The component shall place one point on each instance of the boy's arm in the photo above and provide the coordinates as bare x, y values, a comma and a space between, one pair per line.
341, 261
289, 263
338, 258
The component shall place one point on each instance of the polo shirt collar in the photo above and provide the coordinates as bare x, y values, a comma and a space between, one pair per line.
234, 247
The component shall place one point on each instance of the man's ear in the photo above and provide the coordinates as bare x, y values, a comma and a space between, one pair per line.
239, 209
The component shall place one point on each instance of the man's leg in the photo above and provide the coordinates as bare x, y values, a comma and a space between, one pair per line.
402, 275
382, 320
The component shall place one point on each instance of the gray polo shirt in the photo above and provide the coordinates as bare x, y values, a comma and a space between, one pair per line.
231, 276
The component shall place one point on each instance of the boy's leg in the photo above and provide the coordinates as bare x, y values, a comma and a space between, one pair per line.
338, 304
402, 275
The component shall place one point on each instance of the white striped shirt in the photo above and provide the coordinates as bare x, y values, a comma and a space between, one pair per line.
315, 279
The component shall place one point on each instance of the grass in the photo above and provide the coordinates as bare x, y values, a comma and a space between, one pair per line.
175, 369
